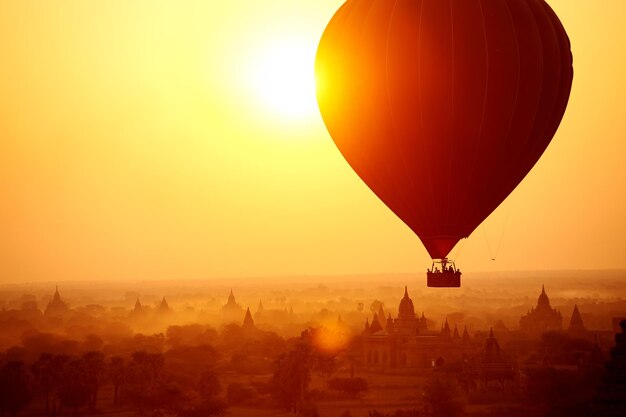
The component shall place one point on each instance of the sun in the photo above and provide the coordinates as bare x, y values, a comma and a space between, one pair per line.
283, 78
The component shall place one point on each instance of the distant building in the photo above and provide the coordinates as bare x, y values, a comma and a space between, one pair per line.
56, 305
164, 307
406, 342
381, 315
139, 311
495, 367
543, 318
232, 311
576, 325
342, 326
248, 322
445, 330
492, 370
266, 316
466, 336
259, 311
455, 334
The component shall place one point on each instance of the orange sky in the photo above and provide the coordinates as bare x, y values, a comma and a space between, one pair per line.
134, 144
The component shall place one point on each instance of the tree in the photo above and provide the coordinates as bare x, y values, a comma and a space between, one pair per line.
376, 306
42, 370
48, 371
95, 369
442, 394
349, 386
209, 385
116, 374
293, 373
325, 365
143, 379
15, 388
236, 393
74, 390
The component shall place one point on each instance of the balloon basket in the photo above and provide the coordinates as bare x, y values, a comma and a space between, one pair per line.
443, 279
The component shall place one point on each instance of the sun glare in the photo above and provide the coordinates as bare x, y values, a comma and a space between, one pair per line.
283, 78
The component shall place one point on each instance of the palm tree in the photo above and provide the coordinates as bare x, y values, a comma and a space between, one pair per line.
116, 373
42, 370
96, 373
15, 392
74, 390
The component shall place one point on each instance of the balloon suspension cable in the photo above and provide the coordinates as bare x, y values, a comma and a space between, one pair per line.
499, 245
459, 250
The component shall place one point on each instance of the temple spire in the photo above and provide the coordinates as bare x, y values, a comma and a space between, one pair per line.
248, 322
576, 322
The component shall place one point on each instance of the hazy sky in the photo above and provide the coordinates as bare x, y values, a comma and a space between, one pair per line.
141, 139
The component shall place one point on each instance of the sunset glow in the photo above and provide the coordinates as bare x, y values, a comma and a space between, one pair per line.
149, 140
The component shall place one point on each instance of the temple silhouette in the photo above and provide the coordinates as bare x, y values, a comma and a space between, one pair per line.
543, 318
406, 342
56, 306
232, 312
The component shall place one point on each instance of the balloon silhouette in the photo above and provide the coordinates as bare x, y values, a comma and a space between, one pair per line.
443, 106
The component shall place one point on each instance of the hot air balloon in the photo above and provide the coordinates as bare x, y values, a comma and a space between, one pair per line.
443, 106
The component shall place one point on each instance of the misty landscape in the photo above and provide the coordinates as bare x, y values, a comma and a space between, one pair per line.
318, 346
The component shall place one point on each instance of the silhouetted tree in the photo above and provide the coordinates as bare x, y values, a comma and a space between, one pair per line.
443, 396
143, 377
15, 388
376, 306
190, 335
209, 384
291, 379
150, 365
48, 371
95, 368
214, 407
42, 370
74, 390
116, 374
325, 364
236, 393
350, 386
564, 392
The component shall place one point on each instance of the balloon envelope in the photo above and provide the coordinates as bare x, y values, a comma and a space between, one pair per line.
443, 107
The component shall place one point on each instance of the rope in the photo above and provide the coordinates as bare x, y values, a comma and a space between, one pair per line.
499, 246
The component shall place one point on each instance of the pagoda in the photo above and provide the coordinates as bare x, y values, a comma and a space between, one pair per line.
56, 305
543, 318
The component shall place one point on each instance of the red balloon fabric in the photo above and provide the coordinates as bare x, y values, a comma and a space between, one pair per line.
443, 106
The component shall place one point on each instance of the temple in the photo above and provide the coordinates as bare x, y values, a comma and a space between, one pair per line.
56, 305
248, 322
164, 307
493, 370
232, 311
406, 342
543, 318
576, 325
